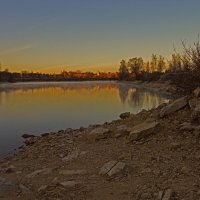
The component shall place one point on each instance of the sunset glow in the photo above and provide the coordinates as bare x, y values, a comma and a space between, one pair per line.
51, 36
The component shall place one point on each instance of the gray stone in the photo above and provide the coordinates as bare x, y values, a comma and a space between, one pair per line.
118, 168
98, 133
143, 130
174, 107
125, 115
70, 184
107, 167
71, 156
40, 171
112, 168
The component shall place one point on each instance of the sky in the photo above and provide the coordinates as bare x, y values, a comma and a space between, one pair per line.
55, 35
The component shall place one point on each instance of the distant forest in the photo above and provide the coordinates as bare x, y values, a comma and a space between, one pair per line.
25, 76
182, 69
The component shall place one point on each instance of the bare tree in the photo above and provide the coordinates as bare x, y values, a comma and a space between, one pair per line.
192, 55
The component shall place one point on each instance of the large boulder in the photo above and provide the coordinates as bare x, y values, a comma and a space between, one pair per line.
143, 130
125, 115
174, 107
98, 133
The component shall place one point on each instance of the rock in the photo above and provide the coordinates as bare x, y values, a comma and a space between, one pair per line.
169, 194
112, 168
195, 116
25, 136
166, 195
69, 184
40, 171
197, 92
7, 186
147, 170
143, 130
68, 130
194, 102
30, 141
125, 115
118, 168
107, 167
9, 169
121, 130
71, 156
160, 195
73, 172
186, 126
42, 188
98, 133
162, 105
45, 134
185, 170
24, 189
61, 132
173, 107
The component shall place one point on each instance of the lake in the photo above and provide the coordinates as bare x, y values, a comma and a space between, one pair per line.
36, 108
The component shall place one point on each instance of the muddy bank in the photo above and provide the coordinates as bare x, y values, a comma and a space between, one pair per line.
151, 155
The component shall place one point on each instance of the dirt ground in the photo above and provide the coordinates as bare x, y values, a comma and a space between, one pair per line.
152, 155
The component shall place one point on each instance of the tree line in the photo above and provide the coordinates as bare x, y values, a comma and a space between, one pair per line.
138, 69
25, 76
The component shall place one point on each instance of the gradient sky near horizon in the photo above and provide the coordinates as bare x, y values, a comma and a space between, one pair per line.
51, 35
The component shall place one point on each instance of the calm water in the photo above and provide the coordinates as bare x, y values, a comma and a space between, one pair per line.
41, 107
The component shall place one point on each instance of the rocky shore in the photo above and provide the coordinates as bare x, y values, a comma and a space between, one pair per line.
151, 155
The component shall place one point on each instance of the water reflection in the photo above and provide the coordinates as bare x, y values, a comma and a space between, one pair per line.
127, 92
42, 107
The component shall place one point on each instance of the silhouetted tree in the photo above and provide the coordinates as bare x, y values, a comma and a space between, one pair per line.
161, 66
154, 62
175, 64
192, 55
136, 65
123, 71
